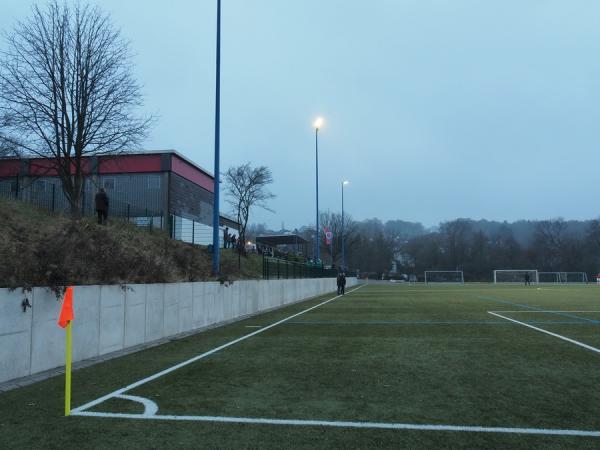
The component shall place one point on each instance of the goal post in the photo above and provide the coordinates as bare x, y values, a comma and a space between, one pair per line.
444, 276
515, 276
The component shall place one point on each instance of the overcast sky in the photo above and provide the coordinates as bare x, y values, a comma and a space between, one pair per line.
434, 109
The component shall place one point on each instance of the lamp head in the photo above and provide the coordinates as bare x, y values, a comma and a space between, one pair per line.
318, 123
345, 182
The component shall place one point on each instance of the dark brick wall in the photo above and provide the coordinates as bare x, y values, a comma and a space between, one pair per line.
189, 200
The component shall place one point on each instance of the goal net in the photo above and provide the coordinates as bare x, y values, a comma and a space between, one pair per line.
574, 277
516, 276
444, 276
562, 277
551, 277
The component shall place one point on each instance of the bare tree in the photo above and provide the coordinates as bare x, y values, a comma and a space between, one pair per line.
247, 188
333, 221
67, 91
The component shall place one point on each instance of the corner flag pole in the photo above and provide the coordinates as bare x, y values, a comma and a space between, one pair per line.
68, 359
65, 320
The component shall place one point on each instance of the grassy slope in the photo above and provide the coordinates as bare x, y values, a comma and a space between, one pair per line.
380, 354
41, 249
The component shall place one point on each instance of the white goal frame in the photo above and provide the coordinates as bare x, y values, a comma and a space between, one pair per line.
534, 280
462, 277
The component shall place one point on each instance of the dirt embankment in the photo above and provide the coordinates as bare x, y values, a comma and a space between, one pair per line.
41, 249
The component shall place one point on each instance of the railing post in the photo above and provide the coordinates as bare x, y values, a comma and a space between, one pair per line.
53, 194
193, 230
128, 211
83, 200
278, 269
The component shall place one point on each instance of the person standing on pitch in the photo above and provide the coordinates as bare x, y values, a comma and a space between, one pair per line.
339, 283
343, 284
527, 279
101, 201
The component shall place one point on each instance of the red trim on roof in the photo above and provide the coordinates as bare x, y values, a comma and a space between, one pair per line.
129, 164
46, 167
9, 168
191, 173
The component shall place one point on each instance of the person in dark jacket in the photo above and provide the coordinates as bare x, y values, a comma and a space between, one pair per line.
101, 200
226, 237
339, 283
343, 290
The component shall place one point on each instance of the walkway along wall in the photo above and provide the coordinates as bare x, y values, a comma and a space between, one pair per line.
113, 318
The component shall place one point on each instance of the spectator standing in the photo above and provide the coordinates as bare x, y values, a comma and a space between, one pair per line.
101, 201
225, 237
343, 283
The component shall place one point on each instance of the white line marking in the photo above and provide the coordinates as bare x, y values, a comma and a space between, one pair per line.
346, 424
572, 341
198, 357
543, 311
150, 408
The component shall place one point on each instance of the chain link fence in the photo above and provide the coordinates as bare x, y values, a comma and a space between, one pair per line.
277, 269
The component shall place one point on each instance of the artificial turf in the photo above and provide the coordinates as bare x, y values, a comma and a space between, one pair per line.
385, 353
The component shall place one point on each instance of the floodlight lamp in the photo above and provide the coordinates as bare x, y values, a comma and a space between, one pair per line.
318, 123
346, 182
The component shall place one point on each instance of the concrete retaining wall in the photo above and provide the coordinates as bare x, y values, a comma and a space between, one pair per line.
112, 318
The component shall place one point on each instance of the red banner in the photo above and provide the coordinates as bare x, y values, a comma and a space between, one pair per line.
328, 235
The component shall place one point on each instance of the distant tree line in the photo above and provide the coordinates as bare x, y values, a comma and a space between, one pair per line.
460, 245
475, 247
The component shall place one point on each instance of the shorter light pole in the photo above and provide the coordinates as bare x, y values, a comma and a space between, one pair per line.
344, 183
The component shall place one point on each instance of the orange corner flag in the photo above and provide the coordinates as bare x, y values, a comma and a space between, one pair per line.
66, 311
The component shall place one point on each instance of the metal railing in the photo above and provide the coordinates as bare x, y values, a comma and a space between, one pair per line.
277, 269
46, 193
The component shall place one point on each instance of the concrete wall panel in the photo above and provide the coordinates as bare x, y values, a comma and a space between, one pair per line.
199, 305
112, 319
171, 309
47, 338
86, 326
135, 314
186, 300
155, 294
15, 335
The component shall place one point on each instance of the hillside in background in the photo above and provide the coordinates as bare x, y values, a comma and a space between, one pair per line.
42, 249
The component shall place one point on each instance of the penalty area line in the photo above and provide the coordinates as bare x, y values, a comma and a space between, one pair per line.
541, 330
346, 424
138, 383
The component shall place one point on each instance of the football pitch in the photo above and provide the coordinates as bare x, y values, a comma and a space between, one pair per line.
386, 365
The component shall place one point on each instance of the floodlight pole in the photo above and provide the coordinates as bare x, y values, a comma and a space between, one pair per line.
344, 183
317, 253
216, 248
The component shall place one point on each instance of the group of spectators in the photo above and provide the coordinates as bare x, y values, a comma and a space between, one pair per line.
230, 240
